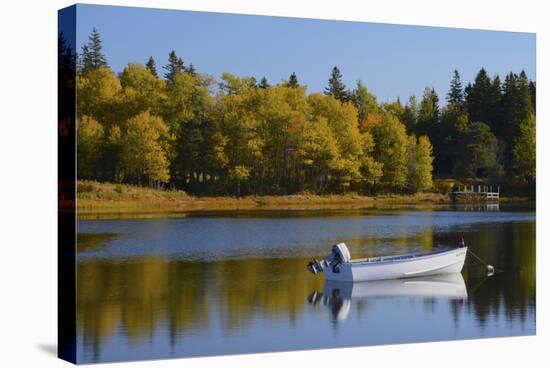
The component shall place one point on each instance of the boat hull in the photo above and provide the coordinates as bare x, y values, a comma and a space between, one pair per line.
446, 262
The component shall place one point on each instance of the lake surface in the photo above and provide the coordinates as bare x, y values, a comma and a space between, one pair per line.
226, 283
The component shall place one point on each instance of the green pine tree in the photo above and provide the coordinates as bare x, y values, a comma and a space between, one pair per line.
191, 70
293, 81
264, 84
428, 114
410, 114
152, 66
455, 95
533, 93
175, 67
336, 88
85, 60
478, 98
493, 105
96, 54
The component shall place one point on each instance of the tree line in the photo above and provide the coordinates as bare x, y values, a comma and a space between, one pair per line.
236, 135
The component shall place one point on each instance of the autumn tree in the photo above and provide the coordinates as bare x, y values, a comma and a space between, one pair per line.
419, 166
370, 169
89, 135
342, 120
141, 91
319, 153
143, 154
364, 101
391, 151
98, 95
524, 150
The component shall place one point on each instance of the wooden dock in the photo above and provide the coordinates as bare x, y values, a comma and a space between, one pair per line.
477, 192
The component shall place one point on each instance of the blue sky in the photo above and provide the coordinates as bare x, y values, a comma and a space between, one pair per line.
392, 60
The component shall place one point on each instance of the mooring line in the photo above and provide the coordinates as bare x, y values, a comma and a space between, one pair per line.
483, 262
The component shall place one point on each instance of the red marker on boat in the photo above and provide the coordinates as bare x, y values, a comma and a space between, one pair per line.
461, 242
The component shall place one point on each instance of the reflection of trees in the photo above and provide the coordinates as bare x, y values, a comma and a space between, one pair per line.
512, 249
140, 294
97, 315
370, 245
248, 287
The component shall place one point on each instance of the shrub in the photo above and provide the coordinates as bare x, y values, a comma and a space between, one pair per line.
85, 187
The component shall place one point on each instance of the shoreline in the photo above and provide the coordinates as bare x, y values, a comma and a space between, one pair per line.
115, 201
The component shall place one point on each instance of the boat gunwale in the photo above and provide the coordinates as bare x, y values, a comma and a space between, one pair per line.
400, 258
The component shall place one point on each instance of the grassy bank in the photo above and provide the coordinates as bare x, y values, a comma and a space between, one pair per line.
119, 199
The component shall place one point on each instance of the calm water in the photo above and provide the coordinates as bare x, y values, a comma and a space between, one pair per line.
237, 282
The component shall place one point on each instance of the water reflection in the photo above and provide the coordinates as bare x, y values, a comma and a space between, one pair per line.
160, 303
338, 296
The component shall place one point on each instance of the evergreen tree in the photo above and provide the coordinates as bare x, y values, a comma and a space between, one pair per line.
263, 83
467, 91
97, 56
533, 93
478, 98
478, 153
428, 113
191, 70
92, 57
516, 108
509, 113
85, 60
410, 114
493, 106
293, 81
524, 95
152, 66
336, 87
66, 59
455, 95
175, 67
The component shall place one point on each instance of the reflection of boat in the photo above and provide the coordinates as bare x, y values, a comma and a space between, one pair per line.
339, 295
340, 267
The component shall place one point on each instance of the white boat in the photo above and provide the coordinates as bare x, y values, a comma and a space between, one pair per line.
339, 266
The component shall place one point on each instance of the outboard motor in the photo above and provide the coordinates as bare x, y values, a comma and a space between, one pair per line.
340, 254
